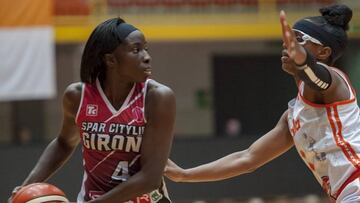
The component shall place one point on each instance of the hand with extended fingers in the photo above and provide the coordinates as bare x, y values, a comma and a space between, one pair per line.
295, 51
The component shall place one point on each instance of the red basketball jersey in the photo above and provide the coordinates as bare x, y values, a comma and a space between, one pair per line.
111, 141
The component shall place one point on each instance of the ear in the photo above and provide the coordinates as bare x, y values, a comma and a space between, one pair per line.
323, 53
109, 60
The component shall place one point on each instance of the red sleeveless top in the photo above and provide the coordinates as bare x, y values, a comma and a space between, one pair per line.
111, 138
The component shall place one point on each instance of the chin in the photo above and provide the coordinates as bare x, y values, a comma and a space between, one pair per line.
142, 79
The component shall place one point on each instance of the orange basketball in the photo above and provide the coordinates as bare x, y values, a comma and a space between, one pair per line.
39, 193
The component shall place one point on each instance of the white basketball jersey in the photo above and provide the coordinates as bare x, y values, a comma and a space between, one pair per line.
327, 138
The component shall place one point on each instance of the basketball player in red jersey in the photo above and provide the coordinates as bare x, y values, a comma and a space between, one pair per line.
123, 120
323, 121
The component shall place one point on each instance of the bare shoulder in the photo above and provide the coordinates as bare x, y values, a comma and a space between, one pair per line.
339, 89
72, 97
285, 115
158, 90
283, 121
160, 100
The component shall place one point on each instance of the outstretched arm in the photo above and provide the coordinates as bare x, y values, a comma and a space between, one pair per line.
268, 147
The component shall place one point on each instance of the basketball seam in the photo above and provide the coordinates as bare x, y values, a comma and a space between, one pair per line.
26, 187
48, 198
23, 189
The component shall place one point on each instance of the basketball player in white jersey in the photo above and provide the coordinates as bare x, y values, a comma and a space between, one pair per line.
323, 121
123, 120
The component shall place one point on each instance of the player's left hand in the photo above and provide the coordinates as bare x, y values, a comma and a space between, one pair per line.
173, 171
295, 51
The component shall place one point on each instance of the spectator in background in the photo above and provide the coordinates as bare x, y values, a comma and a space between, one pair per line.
323, 121
24, 136
123, 120
233, 127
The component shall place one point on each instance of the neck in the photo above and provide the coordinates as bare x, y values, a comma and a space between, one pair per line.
116, 90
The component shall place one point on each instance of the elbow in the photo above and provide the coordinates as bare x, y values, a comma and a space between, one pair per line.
249, 164
249, 168
67, 145
316, 77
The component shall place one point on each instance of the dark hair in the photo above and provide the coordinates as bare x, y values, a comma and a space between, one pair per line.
336, 20
338, 15
104, 39
329, 28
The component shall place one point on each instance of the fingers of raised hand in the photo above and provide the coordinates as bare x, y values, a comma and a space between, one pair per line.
283, 25
288, 36
286, 30
291, 47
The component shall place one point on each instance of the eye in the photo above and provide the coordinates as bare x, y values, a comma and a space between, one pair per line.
136, 50
299, 38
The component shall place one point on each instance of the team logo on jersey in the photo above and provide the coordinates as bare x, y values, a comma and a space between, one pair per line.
92, 110
295, 126
138, 114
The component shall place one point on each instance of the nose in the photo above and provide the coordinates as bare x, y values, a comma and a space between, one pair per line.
284, 45
147, 57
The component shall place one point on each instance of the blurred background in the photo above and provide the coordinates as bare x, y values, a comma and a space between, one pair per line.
221, 58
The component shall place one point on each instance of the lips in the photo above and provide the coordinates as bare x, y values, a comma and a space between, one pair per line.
285, 57
285, 53
147, 70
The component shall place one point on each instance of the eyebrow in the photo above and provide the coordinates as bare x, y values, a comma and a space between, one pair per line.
137, 44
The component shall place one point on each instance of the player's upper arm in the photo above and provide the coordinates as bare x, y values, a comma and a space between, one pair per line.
271, 145
71, 102
157, 139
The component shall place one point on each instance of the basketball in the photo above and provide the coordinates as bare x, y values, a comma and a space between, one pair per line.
39, 193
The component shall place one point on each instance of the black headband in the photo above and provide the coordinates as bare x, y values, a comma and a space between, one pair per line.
124, 30
319, 32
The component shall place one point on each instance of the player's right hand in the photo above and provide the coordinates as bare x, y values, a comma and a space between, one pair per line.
295, 51
287, 64
13, 193
173, 171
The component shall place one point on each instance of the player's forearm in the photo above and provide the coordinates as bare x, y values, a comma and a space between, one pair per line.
53, 157
229, 166
316, 76
138, 185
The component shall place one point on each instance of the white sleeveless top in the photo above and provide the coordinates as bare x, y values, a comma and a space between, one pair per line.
327, 137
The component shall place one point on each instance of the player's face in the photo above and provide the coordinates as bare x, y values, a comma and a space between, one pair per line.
309, 43
133, 58
304, 38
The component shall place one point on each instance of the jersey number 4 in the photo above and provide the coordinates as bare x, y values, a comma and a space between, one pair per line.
122, 170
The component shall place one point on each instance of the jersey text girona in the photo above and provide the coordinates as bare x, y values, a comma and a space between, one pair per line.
111, 142
327, 138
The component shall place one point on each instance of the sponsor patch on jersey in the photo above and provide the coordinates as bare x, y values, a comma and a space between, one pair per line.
91, 110
155, 196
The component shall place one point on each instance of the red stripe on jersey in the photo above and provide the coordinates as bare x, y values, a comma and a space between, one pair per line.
351, 152
339, 139
352, 177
